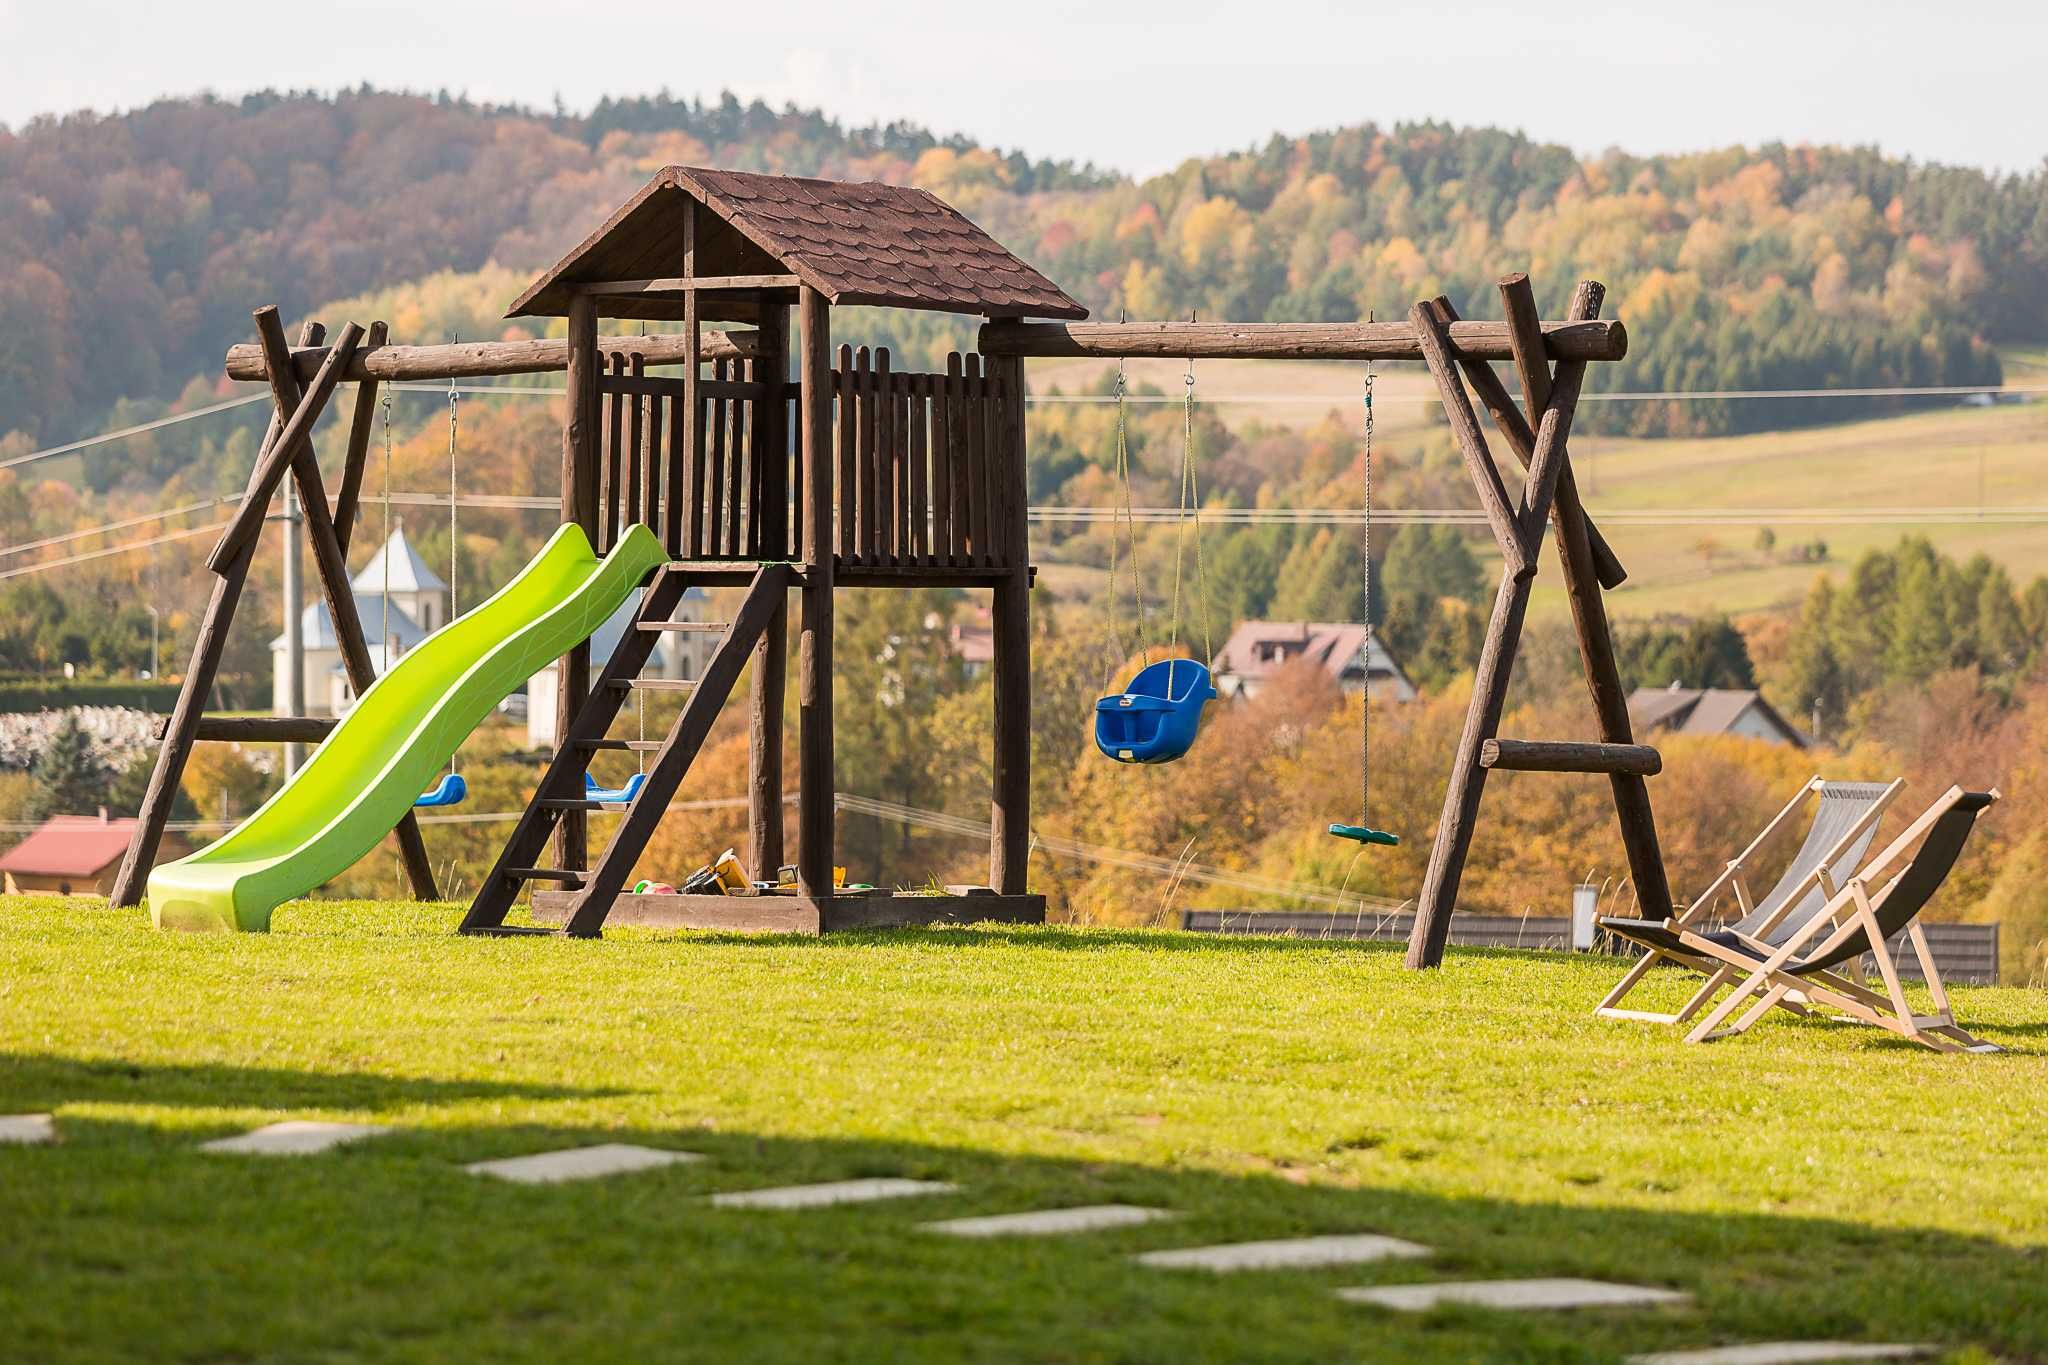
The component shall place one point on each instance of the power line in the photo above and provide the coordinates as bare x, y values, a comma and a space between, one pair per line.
136, 430
113, 550
121, 525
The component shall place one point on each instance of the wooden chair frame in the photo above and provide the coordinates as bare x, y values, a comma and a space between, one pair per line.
1852, 908
1732, 878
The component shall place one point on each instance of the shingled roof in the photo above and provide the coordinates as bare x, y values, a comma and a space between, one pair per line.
854, 242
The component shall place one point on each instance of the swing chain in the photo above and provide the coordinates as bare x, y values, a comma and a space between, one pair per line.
1190, 510
1365, 705
1130, 520
454, 541
384, 551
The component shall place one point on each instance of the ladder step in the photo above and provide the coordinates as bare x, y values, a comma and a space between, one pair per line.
685, 625
545, 874
654, 684
578, 803
637, 746
1563, 756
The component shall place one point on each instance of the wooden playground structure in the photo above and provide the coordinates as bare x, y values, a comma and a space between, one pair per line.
766, 459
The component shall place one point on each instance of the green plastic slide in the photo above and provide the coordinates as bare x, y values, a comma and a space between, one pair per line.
363, 778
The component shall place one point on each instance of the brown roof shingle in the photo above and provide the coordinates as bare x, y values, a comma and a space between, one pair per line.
854, 242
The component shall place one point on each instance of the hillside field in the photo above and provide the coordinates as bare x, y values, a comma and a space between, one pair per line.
1806, 1180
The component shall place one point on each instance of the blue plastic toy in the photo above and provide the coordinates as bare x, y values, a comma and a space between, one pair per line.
449, 791
1157, 715
593, 792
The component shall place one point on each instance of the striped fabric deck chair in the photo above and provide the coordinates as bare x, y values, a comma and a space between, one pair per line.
1844, 820
1862, 916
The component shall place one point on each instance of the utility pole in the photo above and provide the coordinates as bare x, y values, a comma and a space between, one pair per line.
294, 639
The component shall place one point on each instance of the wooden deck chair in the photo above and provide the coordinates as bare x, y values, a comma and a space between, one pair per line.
1844, 819
1863, 917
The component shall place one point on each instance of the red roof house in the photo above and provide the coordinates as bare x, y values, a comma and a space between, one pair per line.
71, 855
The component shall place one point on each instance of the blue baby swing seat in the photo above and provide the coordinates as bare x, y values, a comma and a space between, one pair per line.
1155, 718
451, 790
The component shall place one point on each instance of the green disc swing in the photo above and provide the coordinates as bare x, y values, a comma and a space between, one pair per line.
1363, 832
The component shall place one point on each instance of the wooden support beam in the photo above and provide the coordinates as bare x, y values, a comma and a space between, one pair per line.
814, 793
327, 556
360, 424
486, 359
296, 438
1588, 340
253, 729
579, 505
183, 726
1521, 438
1603, 676
764, 602
683, 284
1010, 806
1493, 495
1563, 756
764, 746
1446, 868
1525, 340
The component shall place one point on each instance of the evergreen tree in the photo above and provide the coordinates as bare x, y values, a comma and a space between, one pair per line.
1433, 560
69, 780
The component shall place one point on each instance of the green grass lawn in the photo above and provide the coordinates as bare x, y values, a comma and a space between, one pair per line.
1807, 1180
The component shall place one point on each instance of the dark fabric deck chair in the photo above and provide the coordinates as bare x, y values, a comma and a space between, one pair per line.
1882, 899
1844, 820
1863, 917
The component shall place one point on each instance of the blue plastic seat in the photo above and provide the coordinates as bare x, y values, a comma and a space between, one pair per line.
1156, 717
593, 792
450, 790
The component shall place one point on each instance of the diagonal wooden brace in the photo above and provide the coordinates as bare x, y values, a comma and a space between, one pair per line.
1493, 496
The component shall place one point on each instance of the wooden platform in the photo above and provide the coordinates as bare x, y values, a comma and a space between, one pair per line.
798, 914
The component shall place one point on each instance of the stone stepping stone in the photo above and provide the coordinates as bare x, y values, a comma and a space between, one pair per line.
1513, 1295
1784, 1353
580, 1163
27, 1129
1291, 1253
830, 1192
293, 1137
1049, 1222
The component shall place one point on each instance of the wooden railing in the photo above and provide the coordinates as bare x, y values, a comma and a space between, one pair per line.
716, 488
923, 463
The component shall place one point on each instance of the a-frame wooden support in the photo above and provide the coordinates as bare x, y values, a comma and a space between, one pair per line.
287, 449
1548, 494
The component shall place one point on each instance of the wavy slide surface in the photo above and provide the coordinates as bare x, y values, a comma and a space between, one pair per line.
363, 778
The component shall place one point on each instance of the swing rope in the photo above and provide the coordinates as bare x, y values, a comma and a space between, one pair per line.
384, 640
1365, 721
1190, 510
1130, 526
454, 539
1363, 832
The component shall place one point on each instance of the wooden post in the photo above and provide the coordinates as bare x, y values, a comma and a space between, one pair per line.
770, 522
1010, 808
1596, 641
764, 748
579, 505
183, 727
814, 792
359, 428
333, 567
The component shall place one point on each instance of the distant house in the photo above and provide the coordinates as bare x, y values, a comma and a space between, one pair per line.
1710, 711
416, 606
973, 642
1257, 650
74, 855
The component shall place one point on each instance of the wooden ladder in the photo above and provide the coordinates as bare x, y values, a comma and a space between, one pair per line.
561, 787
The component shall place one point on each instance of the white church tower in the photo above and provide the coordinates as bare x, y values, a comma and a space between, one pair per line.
412, 583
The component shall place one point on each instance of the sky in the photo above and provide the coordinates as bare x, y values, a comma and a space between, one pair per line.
1133, 86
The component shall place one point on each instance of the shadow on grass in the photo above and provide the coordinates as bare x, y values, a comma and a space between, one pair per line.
32, 1082
387, 1248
